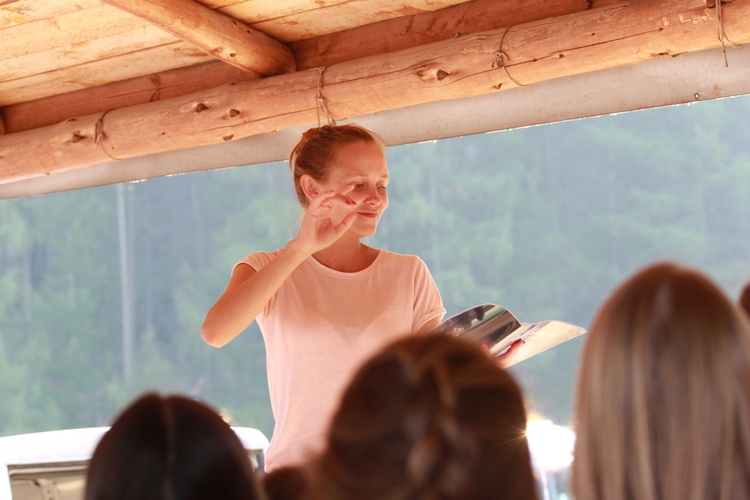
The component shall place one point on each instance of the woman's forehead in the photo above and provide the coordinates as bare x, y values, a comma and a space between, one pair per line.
359, 159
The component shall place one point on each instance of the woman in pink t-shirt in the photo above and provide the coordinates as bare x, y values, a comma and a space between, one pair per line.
326, 301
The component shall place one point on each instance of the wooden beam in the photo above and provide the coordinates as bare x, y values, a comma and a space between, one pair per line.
429, 27
382, 37
470, 65
215, 33
163, 85
667, 81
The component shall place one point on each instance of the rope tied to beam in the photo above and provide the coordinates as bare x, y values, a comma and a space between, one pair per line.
321, 104
501, 57
723, 38
100, 135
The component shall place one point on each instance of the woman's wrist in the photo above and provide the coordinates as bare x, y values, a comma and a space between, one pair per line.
298, 249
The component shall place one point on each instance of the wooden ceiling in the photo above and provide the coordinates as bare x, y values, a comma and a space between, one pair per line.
88, 82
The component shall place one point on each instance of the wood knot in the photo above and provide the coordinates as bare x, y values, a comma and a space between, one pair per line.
77, 137
200, 107
441, 74
233, 112
228, 137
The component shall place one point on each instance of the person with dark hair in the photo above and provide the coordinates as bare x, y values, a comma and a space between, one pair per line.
745, 299
326, 301
428, 417
663, 399
170, 448
286, 483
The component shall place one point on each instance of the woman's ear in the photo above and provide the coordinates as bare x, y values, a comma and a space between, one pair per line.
309, 186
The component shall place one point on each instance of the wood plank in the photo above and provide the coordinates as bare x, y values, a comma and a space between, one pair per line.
66, 30
18, 12
216, 34
292, 20
465, 66
76, 55
133, 64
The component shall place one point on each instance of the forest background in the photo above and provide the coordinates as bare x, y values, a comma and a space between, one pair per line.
103, 290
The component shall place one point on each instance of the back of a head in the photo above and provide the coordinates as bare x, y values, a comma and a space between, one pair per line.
429, 417
745, 299
170, 448
286, 483
663, 397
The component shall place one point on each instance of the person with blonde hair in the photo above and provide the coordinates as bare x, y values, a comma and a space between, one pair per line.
325, 301
428, 417
663, 399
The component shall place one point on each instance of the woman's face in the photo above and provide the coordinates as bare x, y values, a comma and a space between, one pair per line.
361, 165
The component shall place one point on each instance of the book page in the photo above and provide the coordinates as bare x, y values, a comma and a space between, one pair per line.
537, 337
496, 329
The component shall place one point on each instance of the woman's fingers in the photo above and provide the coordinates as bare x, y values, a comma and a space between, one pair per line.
346, 223
329, 198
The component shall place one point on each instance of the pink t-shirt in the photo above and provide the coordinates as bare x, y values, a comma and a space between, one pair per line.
320, 326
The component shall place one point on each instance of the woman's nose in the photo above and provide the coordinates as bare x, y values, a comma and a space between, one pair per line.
373, 197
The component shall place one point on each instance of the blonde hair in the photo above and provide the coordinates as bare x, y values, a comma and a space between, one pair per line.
316, 150
429, 417
663, 397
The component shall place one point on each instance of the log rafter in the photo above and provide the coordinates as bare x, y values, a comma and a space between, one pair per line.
468, 65
217, 34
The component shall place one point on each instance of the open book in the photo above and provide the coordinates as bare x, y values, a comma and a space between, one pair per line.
496, 328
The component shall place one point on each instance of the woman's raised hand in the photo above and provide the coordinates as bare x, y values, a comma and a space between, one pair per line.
319, 228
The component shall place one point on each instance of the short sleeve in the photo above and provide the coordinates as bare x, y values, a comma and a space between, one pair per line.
257, 260
428, 304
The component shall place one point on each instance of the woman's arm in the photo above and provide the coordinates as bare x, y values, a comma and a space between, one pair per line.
247, 292
427, 327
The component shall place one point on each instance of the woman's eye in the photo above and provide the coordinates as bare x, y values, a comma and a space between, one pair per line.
358, 185
382, 188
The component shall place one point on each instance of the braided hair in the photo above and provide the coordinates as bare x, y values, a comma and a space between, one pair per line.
430, 417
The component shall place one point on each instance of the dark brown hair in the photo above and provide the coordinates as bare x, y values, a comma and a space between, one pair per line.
745, 299
663, 397
315, 152
286, 483
170, 448
430, 417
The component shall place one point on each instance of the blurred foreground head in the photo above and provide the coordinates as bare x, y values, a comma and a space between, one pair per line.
745, 299
663, 403
429, 417
170, 448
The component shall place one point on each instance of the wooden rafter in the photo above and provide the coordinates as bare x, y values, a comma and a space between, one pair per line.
163, 85
428, 27
216, 34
